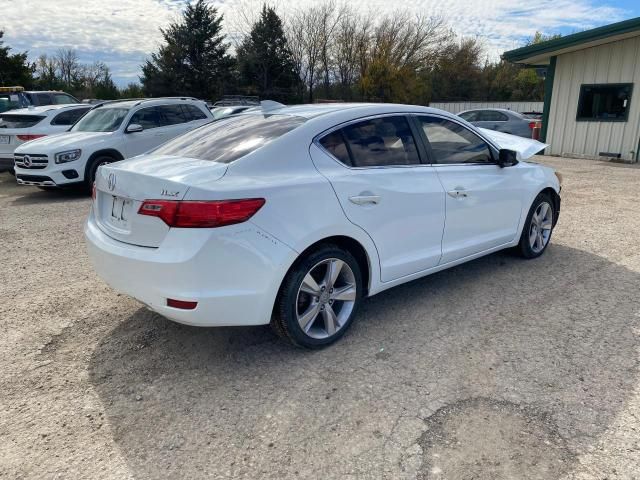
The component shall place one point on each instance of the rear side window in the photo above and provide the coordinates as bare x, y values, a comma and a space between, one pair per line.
229, 139
336, 145
19, 121
69, 117
379, 142
43, 98
470, 116
63, 99
172, 114
193, 113
147, 117
450, 142
491, 116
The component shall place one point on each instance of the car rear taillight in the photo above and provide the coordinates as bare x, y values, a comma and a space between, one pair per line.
533, 125
28, 137
202, 214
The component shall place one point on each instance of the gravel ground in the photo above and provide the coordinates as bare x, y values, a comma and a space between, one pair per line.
500, 368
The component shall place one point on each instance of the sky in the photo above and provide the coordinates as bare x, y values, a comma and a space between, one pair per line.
122, 33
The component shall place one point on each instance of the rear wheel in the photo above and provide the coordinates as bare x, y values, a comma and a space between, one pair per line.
319, 298
91, 171
538, 227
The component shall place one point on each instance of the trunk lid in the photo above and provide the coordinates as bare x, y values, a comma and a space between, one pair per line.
122, 187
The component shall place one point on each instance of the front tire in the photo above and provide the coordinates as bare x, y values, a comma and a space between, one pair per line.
319, 298
538, 227
90, 175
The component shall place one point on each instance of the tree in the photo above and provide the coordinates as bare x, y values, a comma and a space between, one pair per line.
265, 62
194, 60
458, 75
132, 90
14, 68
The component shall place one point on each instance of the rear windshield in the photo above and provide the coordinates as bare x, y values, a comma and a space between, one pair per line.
101, 120
19, 121
229, 139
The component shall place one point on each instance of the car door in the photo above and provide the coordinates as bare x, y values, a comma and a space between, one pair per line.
375, 169
483, 201
152, 135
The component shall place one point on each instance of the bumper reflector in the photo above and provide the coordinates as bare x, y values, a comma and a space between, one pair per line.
181, 304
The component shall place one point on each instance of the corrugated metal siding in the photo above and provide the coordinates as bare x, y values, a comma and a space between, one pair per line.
617, 62
456, 107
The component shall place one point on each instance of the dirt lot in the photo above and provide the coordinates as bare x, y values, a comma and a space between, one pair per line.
501, 368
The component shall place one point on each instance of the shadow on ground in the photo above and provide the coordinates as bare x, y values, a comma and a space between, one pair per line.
548, 342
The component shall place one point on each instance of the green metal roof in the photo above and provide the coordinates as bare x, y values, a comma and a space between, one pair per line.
541, 52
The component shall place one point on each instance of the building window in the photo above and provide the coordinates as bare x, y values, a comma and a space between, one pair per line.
605, 102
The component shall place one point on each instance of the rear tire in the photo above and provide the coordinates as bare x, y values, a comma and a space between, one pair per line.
90, 175
319, 298
538, 227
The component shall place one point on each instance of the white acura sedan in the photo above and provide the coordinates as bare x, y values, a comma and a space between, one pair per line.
293, 215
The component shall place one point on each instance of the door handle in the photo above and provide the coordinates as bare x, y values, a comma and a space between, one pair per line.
365, 199
457, 194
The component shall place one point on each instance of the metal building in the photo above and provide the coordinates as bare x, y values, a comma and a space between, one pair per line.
592, 91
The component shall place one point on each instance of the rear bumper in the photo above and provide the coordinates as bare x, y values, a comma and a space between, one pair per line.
233, 272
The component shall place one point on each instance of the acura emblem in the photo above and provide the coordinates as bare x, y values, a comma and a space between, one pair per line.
26, 160
112, 181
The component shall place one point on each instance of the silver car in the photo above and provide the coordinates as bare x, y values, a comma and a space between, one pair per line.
502, 120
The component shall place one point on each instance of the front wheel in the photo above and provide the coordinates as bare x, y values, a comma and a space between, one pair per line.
538, 227
90, 175
318, 298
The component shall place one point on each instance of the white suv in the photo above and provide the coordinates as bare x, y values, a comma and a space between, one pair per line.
108, 133
26, 124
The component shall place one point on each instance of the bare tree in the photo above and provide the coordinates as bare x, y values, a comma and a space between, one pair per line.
68, 65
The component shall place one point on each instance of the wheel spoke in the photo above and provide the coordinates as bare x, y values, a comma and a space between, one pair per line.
347, 293
308, 317
540, 239
309, 285
333, 270
330, 320
546, 225
533, 236
544, 209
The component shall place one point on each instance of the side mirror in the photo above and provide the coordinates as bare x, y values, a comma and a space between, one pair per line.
507, 158
134, 127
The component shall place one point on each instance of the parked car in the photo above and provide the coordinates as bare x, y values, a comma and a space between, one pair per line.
12, 98
502, 120
293, 215
221, 112
108, 133
26, 124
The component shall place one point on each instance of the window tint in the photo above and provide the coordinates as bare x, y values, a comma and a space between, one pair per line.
470, 116
604, 102
491, 116
334, 143
453, 143
63, 99
229, 139
381, 142
69, 117
147, 117
43, 98
19, 121
194, 113
172, 114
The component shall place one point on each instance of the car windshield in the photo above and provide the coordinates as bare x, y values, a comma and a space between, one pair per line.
101, 120
9, 101
230, 138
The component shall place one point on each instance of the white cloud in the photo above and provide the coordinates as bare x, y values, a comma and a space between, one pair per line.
124, 32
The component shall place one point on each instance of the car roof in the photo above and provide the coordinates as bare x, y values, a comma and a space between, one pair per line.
147, 102
310, 111
489, 109
39, 109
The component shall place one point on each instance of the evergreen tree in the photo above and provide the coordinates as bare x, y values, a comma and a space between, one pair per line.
14, 68
194, 60
265, 64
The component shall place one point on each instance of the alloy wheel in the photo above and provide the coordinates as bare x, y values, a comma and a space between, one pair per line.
540, 227
326, 298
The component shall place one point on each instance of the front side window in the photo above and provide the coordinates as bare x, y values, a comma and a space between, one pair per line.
470, 116
229, 139
450, 142
147, 117
101, 120
63, 99
69, 117
605, 102
43, 98
193, 113
385, 141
